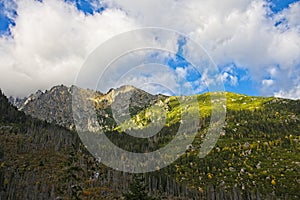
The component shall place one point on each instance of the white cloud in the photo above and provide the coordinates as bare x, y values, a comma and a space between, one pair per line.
228, 75
50, 42
153, 78
237, 31
291, 94
53, 38
267, 82
181, 72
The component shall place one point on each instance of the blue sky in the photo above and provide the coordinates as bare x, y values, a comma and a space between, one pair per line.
86, 6
4, 20
242, 74
279, 5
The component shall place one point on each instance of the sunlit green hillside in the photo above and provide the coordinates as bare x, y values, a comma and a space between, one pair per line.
258, 152
171, 109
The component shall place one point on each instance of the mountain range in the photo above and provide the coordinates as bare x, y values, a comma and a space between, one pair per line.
256, 156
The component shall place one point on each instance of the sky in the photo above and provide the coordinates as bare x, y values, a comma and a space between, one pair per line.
255, 44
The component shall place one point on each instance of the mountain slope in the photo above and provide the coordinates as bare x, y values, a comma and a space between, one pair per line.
39, 160
256, 156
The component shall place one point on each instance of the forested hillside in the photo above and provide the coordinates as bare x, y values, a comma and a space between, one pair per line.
39, 160
256, 157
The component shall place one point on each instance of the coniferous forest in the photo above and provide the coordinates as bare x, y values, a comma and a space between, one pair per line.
256, 157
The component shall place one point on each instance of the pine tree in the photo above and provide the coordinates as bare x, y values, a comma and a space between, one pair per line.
137, 189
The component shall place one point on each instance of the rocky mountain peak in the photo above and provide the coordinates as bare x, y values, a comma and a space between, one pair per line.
59, 88
55, 105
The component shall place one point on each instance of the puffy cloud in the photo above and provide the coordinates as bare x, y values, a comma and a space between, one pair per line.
246, 33
229, 75
294, 93
50, 42
52, 39
267, 82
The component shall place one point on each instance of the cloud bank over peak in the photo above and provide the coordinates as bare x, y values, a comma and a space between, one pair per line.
50, 42
52, 39
246, 33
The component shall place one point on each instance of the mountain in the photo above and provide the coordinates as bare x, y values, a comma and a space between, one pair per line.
256, 156
30, 149
41, 160
52, 106
55, 105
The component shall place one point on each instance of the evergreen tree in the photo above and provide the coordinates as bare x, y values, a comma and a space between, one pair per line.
137, 189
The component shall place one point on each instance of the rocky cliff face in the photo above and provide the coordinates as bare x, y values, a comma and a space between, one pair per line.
52, 106
55, 105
